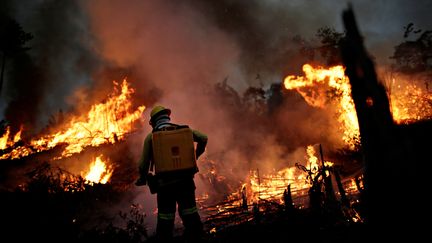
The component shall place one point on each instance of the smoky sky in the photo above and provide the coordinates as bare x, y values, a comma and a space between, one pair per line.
38, 81
260, 31
174, 52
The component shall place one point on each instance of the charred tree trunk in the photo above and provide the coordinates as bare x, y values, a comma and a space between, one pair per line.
3, 65
289, 204
315, 199
389, 212
244, 204
330, 196
344, 198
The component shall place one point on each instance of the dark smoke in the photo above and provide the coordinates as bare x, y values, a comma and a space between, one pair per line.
60, 60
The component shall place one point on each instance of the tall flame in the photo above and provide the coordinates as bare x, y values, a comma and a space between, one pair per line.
335, 79
99, 172
409, 101
4, 139
106, 122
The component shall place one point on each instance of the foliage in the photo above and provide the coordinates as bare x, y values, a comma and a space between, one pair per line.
56, 206
412, 56
135, 223
13, 37
329, 49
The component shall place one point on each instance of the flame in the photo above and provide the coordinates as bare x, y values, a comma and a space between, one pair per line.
409, 102
272, 186
17, 136
351, 186
311, 88
99, 172
5, 141
106, 122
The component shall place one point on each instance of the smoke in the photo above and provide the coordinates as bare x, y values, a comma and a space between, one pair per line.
178, 52
60, 60
175, 53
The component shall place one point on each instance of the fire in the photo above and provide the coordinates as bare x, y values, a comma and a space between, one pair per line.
5, 140
351, 186
106, 122
17, 136
99, 172
311, 88
272, 186
409, 101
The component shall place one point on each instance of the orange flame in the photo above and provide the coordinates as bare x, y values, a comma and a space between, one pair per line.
409, 101
99, 172
335, 79
272, 186
106, 122
5, 141
17, 136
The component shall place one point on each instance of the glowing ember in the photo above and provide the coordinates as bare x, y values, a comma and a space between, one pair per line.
98, 173
351, 187
311, 88
106, 122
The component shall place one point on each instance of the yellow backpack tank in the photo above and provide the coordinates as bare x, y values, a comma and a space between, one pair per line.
173, 150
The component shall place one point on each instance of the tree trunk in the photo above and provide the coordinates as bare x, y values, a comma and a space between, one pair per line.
2, 71
341, 189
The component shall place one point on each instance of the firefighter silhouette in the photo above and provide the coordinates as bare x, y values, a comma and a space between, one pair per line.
170, 153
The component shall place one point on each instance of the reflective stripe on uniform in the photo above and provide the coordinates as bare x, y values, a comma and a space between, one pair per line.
166, 216
188, 211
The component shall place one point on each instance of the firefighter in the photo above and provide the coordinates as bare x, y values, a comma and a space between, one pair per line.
170, 153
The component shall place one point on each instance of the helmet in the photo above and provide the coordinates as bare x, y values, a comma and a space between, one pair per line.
158, 110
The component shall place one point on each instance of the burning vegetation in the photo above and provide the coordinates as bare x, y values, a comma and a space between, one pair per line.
107, 122
86, 159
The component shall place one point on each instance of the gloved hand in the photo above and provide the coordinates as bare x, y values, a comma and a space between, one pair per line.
141, 182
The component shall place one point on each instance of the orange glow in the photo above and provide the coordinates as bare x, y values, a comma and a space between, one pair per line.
17, 136
106, 122
99, 172
4, 139
351, 187
272, 186
314, 87
410, 102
